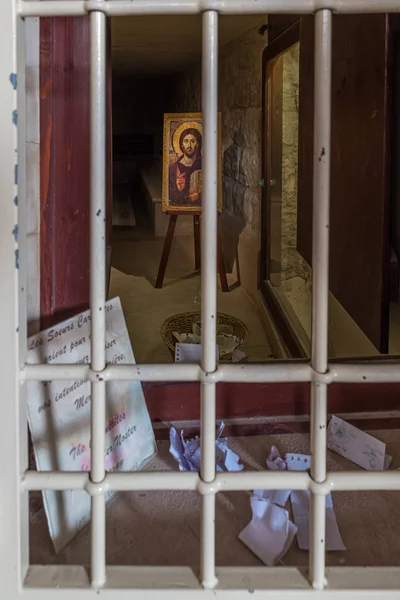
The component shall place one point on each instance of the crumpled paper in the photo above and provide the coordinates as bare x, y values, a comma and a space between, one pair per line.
270, 532
187, 452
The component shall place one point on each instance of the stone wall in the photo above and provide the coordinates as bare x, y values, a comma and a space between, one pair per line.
240, 95
292, 263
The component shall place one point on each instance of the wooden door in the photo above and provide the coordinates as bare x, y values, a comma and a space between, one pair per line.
65, 165
359, 231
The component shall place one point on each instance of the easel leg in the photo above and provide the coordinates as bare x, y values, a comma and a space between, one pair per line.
239, 281
197, 252
166, 250
221, 266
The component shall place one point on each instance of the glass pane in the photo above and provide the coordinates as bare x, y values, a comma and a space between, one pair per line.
289, 274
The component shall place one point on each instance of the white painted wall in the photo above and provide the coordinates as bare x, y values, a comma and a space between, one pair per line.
33, 174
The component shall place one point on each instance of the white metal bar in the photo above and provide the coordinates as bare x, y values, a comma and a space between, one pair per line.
224, 482
98, 286
54, 480
378, 372
37, 8
166, 583
320, 284
14, 515
209, 289
210, 191
20, 260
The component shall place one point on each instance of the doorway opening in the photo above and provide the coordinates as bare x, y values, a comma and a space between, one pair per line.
151, 79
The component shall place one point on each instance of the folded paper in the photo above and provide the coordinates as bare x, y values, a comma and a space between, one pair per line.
270, 531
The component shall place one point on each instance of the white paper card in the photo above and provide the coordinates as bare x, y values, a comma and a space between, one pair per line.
189, 353
270, 532
279, 497
300, 505
59, 416
298, 462
356, 445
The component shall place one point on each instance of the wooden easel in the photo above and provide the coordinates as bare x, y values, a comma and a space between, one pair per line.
173, 217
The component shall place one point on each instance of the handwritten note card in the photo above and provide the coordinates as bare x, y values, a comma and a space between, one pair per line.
356, 445
59, 416
190, 353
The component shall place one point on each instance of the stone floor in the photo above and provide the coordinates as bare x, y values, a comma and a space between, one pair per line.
163, 528
135, 260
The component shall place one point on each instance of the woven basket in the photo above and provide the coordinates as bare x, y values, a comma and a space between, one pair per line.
183, 323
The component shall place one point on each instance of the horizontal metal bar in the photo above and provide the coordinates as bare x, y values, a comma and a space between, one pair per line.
264, 373
223, 482
123, 481
163, 372
271, 372
170, 583
378, 372
37, 8
262, 480
356, 481
54, 480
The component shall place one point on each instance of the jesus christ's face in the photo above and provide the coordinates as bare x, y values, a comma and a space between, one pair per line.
189, 145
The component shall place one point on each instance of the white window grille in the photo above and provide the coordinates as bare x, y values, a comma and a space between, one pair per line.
35, 582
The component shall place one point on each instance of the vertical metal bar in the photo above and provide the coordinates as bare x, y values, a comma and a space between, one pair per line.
209, 286
97, 280
14, 516
20, 239
320, 258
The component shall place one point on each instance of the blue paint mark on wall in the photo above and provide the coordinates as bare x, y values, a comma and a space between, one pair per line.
15, 233
16, 174
17, 259
16, 200
14, 80
15, 117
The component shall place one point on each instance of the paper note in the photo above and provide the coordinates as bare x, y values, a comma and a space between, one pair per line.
300, 505
301, 508
298, 462
269, 533
279, 497
238, 356
356, 445
59, 416
189, 353
187, 453
274, 461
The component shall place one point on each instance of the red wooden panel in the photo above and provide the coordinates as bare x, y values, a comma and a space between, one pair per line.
65, 166
181, 401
